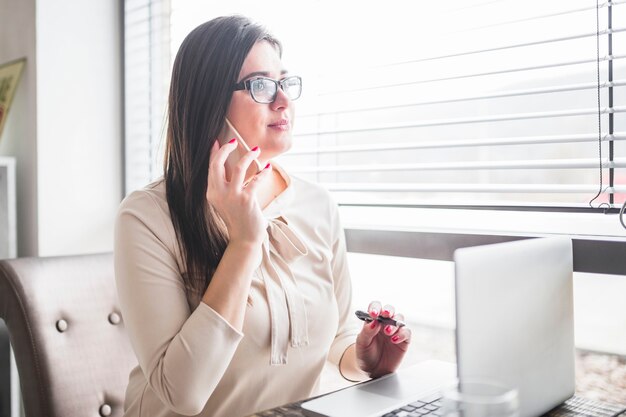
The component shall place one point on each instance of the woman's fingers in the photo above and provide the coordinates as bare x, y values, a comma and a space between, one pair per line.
388, 311
374, 308
254, 182
240, 170
218, 158
389, 330
368, 332
402, 336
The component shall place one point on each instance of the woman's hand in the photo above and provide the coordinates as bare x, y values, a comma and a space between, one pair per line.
235, 200
236, 203
380, 348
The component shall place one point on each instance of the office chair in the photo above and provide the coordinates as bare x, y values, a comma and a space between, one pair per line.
67, 333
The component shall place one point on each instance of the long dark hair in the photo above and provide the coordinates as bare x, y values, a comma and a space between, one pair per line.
206, 67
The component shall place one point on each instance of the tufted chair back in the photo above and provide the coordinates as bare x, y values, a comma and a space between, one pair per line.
67, 333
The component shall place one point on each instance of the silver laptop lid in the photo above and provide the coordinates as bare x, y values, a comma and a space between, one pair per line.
514, 306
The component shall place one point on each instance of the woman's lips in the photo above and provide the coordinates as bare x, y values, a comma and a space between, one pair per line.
282, 125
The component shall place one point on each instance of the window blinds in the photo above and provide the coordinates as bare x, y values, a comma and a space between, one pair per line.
146, 80
504, 111
463, 102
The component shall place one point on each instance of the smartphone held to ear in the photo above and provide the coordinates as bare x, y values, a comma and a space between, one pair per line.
228, 133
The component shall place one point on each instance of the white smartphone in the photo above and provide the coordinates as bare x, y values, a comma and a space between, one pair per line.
228, 133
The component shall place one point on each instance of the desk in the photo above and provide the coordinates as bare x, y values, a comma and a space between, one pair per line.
575, 406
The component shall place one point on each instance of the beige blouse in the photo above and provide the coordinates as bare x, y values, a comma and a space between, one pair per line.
191, 360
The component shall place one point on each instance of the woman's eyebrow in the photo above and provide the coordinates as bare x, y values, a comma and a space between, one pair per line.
262, 74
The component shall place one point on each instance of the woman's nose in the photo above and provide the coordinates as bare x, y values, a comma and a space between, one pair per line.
281, 102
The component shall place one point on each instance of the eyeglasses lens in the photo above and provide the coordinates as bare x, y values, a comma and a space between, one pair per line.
292, 87
264, 90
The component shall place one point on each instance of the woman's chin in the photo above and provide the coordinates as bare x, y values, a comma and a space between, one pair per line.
282, 145
274, 145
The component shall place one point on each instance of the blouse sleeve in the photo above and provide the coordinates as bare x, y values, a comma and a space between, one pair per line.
182, 353
348, 327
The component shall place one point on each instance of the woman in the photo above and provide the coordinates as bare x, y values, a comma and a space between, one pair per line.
235, 289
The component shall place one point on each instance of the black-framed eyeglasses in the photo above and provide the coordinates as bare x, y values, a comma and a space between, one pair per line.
264, 90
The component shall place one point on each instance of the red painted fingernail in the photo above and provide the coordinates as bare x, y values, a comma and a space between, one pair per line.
233, 140
373, 325
386, 312
374, 313
256, 148
267, 166
388, 328
395, 338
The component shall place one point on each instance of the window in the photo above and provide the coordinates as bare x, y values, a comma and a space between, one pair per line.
469, 103
146, 82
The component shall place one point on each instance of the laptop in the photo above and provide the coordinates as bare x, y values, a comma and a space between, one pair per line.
515, 325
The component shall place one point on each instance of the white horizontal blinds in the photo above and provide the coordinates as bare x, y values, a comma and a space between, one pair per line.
146, 79
471, 102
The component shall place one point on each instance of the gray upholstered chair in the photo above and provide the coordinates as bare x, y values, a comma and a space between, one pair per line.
67, 333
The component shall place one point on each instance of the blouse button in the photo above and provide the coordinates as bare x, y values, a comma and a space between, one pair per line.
105, 410
61, 325
114, 318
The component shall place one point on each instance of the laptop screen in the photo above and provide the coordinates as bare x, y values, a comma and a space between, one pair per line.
515, 320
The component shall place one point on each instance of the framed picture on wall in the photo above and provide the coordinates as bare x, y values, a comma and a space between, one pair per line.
9, 77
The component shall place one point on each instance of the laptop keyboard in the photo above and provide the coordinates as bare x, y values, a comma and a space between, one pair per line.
425, 407
580, 406
575, 406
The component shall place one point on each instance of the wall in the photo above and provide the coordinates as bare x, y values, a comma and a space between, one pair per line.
79, 124
65, 125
